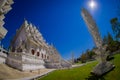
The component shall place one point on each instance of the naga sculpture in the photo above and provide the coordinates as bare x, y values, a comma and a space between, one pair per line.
103, 66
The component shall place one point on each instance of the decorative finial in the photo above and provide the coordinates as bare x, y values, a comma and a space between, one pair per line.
25, 22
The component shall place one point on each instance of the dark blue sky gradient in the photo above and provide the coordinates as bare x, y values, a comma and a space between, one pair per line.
60, 22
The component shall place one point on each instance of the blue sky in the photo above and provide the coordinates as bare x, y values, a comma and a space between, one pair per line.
60, 22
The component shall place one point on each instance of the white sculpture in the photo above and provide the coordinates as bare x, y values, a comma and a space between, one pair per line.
103, 66
5, 7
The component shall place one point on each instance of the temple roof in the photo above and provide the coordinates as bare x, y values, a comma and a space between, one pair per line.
34, 34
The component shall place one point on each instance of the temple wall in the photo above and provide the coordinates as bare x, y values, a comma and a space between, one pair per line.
16, 56
24, 62
14, 60
21, 37
65, 64
32, 59
53, 65
3, 55
26, 67
32, 63
14, 63
2, 60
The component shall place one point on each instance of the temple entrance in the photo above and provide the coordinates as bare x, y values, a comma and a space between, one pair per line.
33, 52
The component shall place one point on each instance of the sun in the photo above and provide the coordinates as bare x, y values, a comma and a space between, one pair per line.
92, 4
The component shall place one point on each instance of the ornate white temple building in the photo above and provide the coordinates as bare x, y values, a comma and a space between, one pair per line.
29, 51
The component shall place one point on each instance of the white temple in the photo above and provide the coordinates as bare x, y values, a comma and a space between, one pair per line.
29, 51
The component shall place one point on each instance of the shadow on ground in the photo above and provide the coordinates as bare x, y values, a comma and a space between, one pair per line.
93, 77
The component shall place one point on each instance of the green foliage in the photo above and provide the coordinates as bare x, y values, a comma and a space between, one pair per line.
83, 58
91, 54
87, 56
79, 62
112, 45
110, 39
115, 27
107, 39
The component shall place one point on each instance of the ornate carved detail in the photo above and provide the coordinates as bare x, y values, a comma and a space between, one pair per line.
5, 7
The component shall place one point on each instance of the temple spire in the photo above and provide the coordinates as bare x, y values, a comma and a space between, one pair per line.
25, 22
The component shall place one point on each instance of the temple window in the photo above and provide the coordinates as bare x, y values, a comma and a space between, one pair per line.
47, 57
38, 54
42, 55
19, 50
13, 49
33, 52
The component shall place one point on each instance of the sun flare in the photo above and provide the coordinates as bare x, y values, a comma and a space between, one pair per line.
92, 4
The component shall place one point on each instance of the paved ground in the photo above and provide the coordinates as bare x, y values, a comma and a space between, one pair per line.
36, 76
8, 73
78, 65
